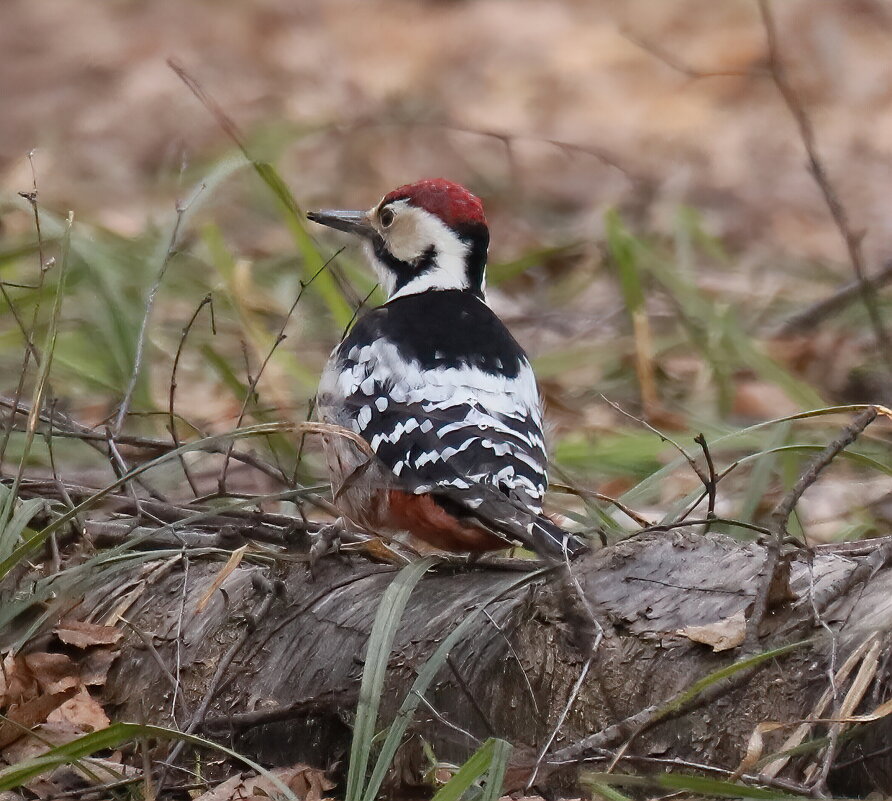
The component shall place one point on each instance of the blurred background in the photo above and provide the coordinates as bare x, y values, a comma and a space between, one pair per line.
655, 227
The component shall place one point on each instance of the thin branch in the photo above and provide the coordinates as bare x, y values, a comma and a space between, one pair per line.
181, 210
75, 430
252, 382
813, 315
687, 457
268, 594
239, 721
712, 480
523, 671
852, 239
771, 569
679, 65
574, 693
583, 493
45, 265
172, 387
357, 310
470, 695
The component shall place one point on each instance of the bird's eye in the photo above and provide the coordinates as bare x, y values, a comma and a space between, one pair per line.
386, 218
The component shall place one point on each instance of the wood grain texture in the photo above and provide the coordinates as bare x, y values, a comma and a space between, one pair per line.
306, 654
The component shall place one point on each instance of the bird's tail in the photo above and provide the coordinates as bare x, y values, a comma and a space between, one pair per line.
509, 519
551, 538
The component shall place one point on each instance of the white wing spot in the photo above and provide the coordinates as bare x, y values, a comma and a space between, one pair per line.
381, 404
364, 417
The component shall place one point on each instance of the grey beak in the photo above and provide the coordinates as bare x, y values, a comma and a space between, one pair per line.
353, 222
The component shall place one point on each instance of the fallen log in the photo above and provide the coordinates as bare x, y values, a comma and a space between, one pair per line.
272, 662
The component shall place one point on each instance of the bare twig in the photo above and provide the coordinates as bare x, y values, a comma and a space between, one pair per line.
687, 457
181, 210
711, 482
31, 197
267, 591
851, 238
253, 381
709, 479
441, 718
311, 407
20, 324
642, 720
687, 523
813, 315
74, 430
179, 650
150, 647
574, 694
523, 671
679, 65
583, 493
781, 514
357, 310
63, 492
298, 709
172, 425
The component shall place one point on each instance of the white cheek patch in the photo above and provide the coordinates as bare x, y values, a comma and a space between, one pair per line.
385, 276
415, 233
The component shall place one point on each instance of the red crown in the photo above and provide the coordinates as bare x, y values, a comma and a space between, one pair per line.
452, 203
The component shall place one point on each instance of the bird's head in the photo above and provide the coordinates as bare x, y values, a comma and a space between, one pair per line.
430, 235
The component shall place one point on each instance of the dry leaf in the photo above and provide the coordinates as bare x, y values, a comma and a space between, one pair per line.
722, 635
34, 685
83, 635
24, 716
55, 673
96, 664
754, 748
232, 563
48, 735
222, 792
83, 711
307, 783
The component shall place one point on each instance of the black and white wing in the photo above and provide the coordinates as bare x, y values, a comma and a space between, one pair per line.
444, 396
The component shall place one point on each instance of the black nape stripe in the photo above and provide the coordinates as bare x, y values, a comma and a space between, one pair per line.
477, 237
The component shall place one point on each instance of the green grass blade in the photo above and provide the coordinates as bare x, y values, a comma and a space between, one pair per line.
605, 791
699, 786
728, 441
387, 620
43, 375
112, 737
324, 284
426, 675
22, 515
724, 673
704, 786
490, 759
35, 542
623, 249
498, 766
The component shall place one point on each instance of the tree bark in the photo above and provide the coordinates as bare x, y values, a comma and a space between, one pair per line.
290, 690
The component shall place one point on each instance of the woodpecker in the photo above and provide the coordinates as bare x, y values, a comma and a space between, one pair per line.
436, 386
